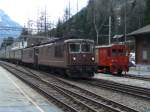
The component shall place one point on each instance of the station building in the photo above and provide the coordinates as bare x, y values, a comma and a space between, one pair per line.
142, 43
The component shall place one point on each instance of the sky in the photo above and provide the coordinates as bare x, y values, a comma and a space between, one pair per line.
23, 10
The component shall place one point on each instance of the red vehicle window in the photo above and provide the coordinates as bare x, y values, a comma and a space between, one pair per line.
114, 52
119, 52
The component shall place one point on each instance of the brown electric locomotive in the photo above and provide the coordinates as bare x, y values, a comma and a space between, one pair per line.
74, 57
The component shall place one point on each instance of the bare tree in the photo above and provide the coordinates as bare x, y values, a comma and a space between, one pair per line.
101, 10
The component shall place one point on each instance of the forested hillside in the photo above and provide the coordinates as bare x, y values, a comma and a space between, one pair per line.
93, 21
147, 13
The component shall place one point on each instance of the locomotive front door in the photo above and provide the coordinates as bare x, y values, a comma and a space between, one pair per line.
36, 53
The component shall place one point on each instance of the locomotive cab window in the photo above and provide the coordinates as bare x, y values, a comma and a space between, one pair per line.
74, 47
86, 48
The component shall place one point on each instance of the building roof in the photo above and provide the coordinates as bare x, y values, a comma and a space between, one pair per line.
144, 30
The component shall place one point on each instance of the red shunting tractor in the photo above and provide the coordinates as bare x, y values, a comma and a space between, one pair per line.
112, 59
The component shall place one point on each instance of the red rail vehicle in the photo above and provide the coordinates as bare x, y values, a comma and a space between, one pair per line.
112, 58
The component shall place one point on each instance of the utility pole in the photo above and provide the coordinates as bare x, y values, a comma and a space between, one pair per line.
94, 21
125, 20
77, 6
109, 30
69, 10
45, 23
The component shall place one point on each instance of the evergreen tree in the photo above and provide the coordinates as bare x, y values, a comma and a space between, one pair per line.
92, 21
147, 13
7, 42
59, 30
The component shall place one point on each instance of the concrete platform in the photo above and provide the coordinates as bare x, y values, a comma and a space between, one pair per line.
140, 71
123, 80
16, 96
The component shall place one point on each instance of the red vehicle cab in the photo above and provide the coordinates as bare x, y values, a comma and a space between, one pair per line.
112, 58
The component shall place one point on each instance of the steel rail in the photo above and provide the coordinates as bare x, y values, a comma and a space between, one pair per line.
80, 108
111, 105
128, 89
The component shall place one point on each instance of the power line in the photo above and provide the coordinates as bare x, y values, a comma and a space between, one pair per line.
16, 28
11, 28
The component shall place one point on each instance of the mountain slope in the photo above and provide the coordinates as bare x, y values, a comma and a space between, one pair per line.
8, 27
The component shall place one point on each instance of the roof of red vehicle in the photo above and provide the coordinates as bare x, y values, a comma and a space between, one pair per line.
106, 46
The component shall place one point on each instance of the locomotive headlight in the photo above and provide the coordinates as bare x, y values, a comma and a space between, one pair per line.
74, 58
93, 58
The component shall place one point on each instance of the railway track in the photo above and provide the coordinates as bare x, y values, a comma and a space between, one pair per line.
127, 89
72, 98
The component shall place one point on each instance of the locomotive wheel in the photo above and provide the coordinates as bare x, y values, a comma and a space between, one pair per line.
119, 72
68, 73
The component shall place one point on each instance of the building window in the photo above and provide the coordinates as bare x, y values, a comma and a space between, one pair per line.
145, 55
